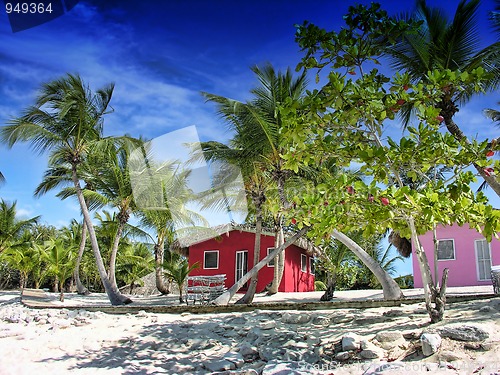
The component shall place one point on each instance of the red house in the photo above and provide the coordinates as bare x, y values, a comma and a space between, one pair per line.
230, 250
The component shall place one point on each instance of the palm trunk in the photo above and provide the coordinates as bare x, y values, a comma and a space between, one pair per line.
225, 297
61, 292
80, 288
114, 253
160, 283
252, 288
114, 295
390, 288
279, 261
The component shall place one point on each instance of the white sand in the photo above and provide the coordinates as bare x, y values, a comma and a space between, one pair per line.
147, 343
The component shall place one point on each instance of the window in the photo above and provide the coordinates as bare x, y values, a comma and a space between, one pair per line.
271, 262
303, 262
483, 259
446, 250
211, 259
311, 265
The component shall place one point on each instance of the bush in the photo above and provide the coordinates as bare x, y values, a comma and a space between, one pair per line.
319, 286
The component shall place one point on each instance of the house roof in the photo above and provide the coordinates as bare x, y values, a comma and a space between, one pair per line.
204, 234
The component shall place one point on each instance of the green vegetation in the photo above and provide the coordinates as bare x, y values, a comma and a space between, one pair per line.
296, 149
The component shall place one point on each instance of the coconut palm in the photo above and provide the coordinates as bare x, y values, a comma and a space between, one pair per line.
443, 44
172, 218
257, 145
11, 227
60, 257
257, 141
134, 262
67, 121
177, 269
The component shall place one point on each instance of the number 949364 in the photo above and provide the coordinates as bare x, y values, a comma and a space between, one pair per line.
28, 8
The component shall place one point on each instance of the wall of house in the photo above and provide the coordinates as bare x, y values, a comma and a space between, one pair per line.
229, 245
463, 269
295, 279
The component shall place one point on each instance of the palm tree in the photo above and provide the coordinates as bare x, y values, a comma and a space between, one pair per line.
67, 121
257, 141
2, 178
177, 269
76, 233
172, 217
113, 187
60, 258
442, 44
12, 228
133, 263
257, 145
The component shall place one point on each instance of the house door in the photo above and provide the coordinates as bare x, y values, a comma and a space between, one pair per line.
241, 264
483, 259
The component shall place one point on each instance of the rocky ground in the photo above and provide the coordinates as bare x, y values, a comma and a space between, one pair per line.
354, 341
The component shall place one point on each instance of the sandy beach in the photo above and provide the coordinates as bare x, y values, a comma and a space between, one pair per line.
340, 341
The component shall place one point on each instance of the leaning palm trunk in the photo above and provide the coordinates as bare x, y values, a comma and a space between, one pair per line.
252, 288
114, 295
390, 288
160, 283
225, 297
80, 288
433, 294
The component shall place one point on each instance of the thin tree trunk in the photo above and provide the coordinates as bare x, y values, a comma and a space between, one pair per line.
225, 297
252, 288
330, 287
114, 253
432, 293
80, 288
279, 260
391, 289
436, 248
114, 295
159, 255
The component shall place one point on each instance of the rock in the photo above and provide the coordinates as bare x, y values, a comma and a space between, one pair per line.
370, 351
321, 320
342, 319
463, 333
394, 313
430, 343
295, 318
351, 341
388, 336
236, 358
248, 351
277, 367
267, 325
389, 339
268, 353
343, 356
449, 356
487, 310
485, 346
219, 365
236, 320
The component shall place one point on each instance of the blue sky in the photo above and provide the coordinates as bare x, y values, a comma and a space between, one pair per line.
161, 54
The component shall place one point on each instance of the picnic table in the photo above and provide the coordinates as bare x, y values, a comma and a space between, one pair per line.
204, 289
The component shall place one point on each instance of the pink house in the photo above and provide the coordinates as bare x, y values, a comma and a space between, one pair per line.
462, 250
231, 253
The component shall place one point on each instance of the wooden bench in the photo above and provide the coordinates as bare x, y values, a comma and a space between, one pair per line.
204, 289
